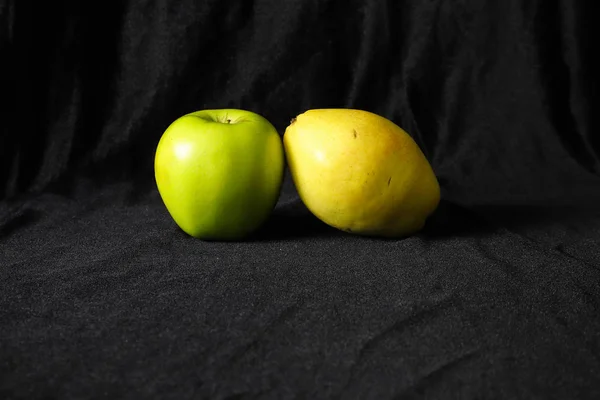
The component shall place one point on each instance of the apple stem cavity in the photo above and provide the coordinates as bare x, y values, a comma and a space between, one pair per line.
223, 119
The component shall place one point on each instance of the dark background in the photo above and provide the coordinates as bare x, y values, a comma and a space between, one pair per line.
102, 296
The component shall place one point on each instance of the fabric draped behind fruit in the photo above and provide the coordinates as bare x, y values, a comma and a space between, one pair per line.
470, 81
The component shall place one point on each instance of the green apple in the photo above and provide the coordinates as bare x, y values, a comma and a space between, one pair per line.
219, 172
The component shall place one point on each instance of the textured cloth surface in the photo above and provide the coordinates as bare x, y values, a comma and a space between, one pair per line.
103, 296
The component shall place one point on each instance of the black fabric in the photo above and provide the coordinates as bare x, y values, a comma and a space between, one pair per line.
102, 296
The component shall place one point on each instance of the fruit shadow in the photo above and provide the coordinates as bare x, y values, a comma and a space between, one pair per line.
453, 220
292, 221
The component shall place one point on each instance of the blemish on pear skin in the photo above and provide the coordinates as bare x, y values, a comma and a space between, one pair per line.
355, 133
389, 181
292, 121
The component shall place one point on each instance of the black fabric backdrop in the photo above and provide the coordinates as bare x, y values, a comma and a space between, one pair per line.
102, 296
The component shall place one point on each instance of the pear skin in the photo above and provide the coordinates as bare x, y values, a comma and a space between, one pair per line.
361, 173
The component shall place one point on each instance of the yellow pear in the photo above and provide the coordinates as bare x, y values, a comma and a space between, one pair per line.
359, 172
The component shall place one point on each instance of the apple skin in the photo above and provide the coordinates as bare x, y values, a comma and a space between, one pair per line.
219, 172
